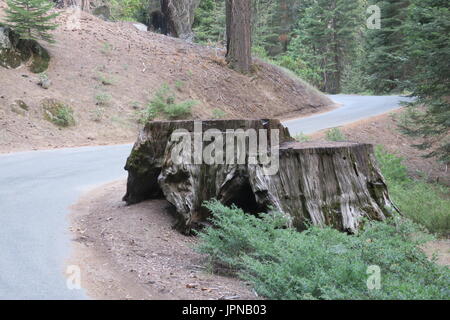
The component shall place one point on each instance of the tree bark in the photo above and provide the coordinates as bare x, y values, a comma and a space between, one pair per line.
84, 5
327, 184
179, 15
239, 35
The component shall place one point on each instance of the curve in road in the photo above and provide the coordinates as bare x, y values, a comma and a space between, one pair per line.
352, 109
36, 189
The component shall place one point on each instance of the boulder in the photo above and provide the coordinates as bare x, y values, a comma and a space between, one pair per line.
15, 52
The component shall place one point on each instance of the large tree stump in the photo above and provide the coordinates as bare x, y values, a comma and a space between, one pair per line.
327, 184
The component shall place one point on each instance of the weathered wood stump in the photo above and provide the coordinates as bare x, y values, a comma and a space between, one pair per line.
335, 184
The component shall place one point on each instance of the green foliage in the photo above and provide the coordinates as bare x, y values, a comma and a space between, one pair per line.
218, 114
335, 134
420, 201
98, 114
209, 23
107, 48
164, 102
385, 64
103, 98
301, 137
31, 19
322, 263
428, 51
324, 41
58, 113
129, 10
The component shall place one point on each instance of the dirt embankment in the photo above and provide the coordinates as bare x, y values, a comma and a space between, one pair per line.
383, 130
133, 252
107, 72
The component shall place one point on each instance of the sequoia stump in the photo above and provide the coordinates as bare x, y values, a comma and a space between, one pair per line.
328, 184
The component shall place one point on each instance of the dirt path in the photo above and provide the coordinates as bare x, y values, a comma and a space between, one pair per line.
133, 252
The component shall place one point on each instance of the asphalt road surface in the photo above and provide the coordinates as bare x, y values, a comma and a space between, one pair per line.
353, 108
37, 188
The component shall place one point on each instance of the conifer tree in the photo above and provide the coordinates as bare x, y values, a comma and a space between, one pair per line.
428, 47
31, 19
385, 65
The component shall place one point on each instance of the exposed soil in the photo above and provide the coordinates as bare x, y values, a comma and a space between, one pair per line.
383, 130
125, 66
132, 252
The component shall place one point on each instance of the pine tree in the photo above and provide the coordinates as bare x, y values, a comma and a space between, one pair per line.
385, 65
428, 47
31, 19
324, 40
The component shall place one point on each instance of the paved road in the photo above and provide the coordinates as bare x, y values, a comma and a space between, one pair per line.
36, 189
353, 108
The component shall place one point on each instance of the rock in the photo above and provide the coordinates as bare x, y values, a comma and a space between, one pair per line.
140, 26
327, 184
14, 52
19, 107
17, 110
22, 105
45, 83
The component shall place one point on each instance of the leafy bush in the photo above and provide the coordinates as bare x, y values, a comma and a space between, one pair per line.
322, 263
423, 202
301, 137
218, 114
103, 98
164, 102
334, 134
58, 113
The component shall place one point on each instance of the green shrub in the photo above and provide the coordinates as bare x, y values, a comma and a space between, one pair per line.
103, 98
322, 263
98, 114
107, 48
58, 113
146, 115
301, 137
164, 102
218, 114
335, 134
423, 202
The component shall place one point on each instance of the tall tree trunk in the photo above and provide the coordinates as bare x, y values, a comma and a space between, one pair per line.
82, 4
179, 15
239, 34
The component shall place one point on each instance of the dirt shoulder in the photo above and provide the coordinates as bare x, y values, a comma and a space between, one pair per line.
132, 252
383, 130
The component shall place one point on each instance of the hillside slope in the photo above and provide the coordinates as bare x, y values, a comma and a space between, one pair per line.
108, 71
